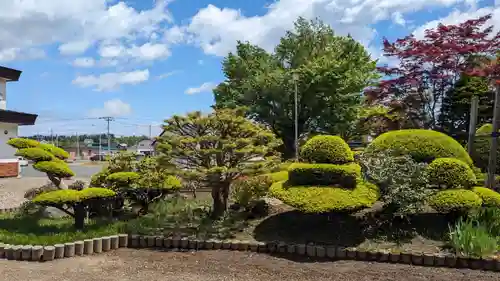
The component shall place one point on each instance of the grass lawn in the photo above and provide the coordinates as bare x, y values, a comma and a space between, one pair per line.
30, 231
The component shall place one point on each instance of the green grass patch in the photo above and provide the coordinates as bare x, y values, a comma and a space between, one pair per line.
25, 230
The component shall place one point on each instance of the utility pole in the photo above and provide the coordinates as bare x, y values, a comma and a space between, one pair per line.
150, 134
108, 119
472, 123
296, 118
51, 136
77, 145
492, 161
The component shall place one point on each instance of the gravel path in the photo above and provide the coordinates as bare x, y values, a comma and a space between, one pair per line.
12, 189
129, 264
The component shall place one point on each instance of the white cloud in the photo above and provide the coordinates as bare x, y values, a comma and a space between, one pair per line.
84, 62
112, 108
205, 87
76, 25
113, 80
145, 52
216, 30
457, 17
397, 18
166, 75
11, 54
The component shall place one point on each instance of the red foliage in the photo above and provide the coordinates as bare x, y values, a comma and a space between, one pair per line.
429, 67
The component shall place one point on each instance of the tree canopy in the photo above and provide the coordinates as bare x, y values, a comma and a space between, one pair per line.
216, 149
328, 71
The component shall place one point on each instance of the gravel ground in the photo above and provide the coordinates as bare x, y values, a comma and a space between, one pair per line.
12, 189
129, 264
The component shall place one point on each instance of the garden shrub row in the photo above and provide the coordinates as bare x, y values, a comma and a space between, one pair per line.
303, 174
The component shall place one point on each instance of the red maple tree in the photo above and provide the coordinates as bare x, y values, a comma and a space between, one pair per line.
429, 67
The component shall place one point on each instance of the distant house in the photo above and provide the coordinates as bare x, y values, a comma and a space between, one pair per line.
9, 125
143, 147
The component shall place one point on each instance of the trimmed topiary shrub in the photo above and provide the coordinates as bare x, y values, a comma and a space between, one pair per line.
326, 199
303, 174
450, 173
326, 149
54, 150
21, 143
278, 176
56, 168
421, 145
490, 197
481, 148
454, 200
122, 179
73, 202
34, 153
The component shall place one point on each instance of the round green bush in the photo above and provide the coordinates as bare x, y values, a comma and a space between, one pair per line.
326, 149
490, 197
34, 153
123, 178
56, 168
344, 175
323, 199
452, 200
278, 176
56, 151
421, 145
95, 192
21, 143
481, 148
450, 173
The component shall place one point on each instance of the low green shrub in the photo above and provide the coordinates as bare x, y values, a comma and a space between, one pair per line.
21, 143
71, 196
326, 199
278, 176
454, 200
324, 174
59, 169
172, 182
246, 190
422, 145
34, 153
326, 149
450, 173
472, 240
490, 197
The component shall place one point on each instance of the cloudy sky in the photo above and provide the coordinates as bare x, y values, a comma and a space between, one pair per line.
142, 60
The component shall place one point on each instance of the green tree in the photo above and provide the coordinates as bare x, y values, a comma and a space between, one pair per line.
455, 110
328, 71
216, 149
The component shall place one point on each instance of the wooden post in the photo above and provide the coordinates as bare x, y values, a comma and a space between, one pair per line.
472, 123
492, 163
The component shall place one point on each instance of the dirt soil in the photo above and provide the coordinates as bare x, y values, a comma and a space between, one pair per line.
129, 264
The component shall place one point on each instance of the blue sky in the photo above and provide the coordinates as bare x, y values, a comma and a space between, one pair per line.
142, 61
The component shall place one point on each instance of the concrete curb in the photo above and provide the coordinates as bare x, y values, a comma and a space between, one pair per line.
108, 243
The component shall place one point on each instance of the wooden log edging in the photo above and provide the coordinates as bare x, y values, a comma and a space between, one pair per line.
109, 243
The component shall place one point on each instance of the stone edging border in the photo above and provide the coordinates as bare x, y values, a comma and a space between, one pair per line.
105, 244
10, 210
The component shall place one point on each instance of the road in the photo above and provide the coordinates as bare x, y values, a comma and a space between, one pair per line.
81, 171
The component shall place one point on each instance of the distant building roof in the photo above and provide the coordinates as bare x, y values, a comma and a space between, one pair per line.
9, 74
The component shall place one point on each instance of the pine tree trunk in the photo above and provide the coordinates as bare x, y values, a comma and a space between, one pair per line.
288, 148
58, 182
80, 215
220, 196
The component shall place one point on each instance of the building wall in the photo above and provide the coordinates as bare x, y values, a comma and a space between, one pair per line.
3, 94
6, 151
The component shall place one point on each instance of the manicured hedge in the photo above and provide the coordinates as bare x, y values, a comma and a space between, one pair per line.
21, 143
278, 176
326, 199
326, 149
34, 153
450, 173
57, 168
490, 197
454, 200
421, 145
304, 174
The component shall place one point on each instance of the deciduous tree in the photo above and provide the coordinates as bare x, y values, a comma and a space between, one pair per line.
328, 71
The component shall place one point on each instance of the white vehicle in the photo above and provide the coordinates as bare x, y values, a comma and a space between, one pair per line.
22, 162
